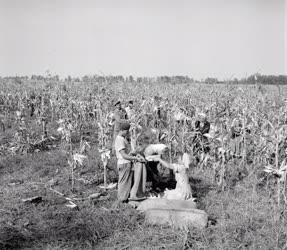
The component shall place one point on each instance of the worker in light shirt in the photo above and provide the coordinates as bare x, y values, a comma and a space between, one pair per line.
130, 110
125, 162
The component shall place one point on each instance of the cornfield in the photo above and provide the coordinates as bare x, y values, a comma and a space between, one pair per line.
71, 109
56, 148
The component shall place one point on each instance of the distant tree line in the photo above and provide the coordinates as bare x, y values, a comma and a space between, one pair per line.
119, 78
253, 79
267, 79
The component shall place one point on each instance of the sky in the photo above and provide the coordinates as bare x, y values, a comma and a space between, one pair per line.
198, 38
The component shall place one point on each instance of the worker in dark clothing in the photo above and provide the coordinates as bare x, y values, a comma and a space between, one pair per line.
200, 141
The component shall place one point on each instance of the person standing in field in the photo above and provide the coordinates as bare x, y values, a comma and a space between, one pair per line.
119, 116
237, 134
157, 111
202, 126
131, 117
124, 165
200, 141
236, 142
130, 110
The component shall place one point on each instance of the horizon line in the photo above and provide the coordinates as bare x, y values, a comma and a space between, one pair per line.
63, 76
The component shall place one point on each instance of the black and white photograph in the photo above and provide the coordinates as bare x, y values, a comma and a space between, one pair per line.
143, 124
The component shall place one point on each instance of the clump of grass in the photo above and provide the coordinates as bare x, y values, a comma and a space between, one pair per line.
245, 218
38, 225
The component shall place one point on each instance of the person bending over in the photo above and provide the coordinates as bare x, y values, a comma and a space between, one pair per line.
182, 190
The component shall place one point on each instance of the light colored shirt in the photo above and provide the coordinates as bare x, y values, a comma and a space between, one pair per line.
121, 144
130, 112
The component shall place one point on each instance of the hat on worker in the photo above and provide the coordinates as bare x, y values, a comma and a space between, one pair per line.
117, 103
203, 115
125, 126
